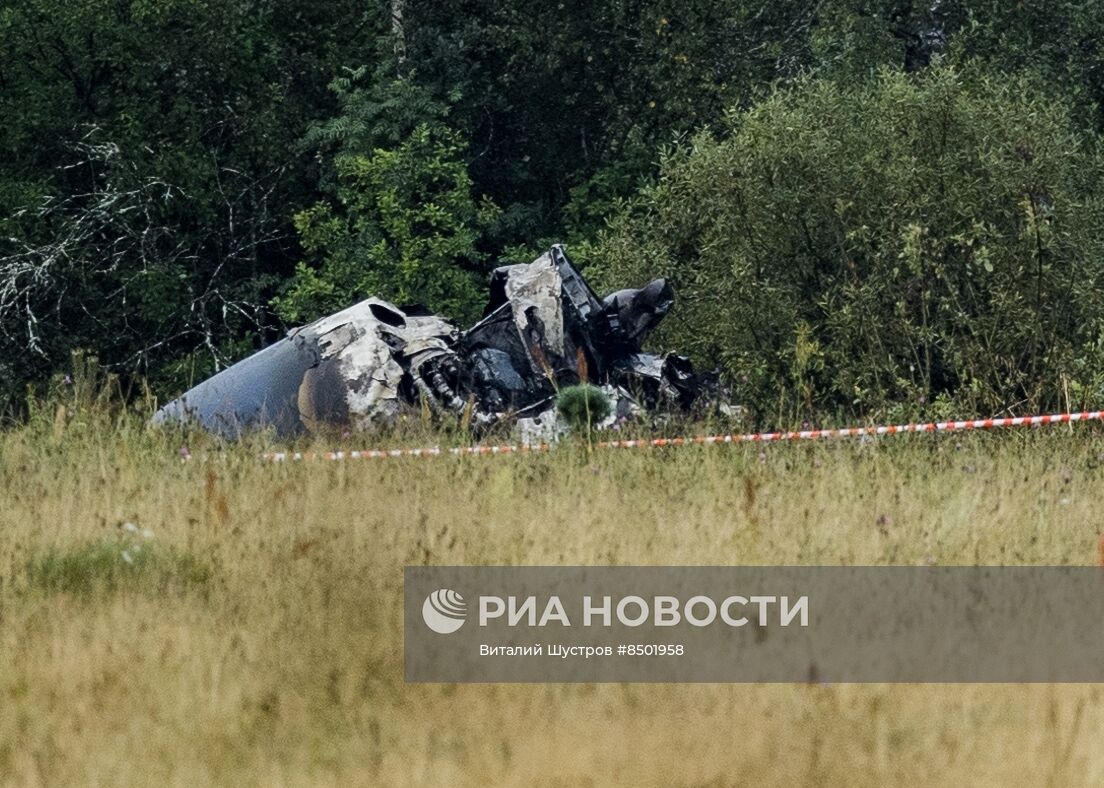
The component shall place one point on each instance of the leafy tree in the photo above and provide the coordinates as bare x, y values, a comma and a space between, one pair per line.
1058, 39
844, 248
157, 153
405, 227
566, 103
151, 170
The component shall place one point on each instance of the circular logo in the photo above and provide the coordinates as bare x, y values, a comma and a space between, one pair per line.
444, 611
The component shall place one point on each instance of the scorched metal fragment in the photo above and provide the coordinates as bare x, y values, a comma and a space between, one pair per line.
543, 328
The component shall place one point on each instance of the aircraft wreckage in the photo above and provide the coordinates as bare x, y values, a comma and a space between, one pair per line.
544, 328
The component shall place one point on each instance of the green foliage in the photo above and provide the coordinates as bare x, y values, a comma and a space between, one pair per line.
565, 102
150, 173
405, 227
844, 248
583, 406
125, 564
1058, 39
375, 110
172, 167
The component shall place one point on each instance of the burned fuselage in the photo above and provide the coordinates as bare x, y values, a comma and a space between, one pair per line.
543, 328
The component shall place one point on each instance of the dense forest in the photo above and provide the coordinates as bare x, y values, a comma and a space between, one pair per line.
865, 206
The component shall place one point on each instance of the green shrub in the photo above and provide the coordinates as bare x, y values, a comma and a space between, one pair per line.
583, 406
846, 248
404, 227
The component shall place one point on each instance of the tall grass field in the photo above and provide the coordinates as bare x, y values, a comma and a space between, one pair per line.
213, 619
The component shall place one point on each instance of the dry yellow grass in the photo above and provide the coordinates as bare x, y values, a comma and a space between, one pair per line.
284, 665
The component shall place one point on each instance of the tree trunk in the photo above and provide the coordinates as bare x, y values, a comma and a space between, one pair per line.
398, 36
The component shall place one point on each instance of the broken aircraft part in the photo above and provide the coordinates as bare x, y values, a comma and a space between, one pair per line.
543, 328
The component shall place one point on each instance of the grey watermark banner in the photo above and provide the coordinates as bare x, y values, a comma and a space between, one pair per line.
754, 624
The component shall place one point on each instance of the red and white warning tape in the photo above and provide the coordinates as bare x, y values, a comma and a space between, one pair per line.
755, 437
432, 451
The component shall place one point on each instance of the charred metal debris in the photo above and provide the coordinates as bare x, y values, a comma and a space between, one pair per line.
544, 328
